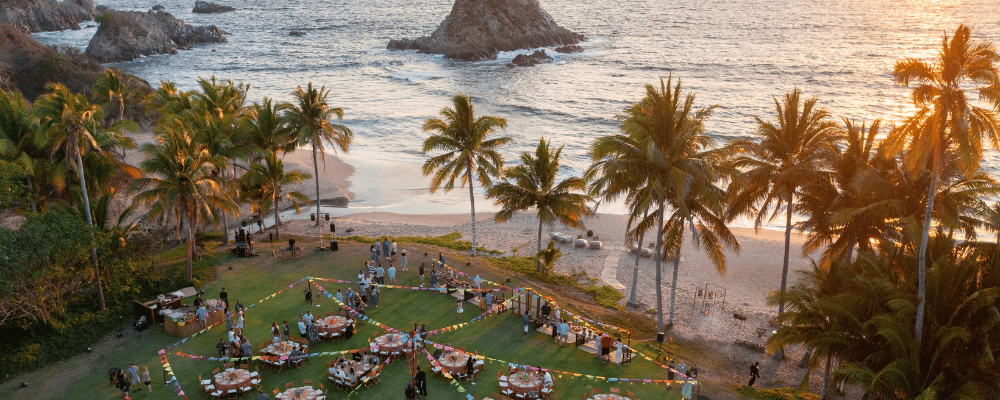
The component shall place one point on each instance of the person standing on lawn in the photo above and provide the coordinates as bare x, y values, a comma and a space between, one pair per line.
421, 379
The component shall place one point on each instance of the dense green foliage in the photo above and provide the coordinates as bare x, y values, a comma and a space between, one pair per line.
13, 189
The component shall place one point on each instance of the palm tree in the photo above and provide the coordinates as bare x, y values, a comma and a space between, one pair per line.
110, 88
67, 121
468, 151
664, 157
311, 119
533, 184
180, 184
945, 118
266, 129
794, 149
269, 178
17, 136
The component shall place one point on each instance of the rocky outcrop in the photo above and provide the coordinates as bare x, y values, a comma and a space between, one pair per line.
46, 15
568, 49
296, 33
522, 60
479, 29
26, 66
127, 35
204, 7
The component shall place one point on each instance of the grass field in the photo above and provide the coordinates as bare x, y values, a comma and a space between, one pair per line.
253, 280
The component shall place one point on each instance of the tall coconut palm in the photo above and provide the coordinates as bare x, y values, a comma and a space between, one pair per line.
67, 120
946, 118
796, 148
180, 183
17, 136
266, 129
664, 157
311, 119
533, 185
269, 178
468, 150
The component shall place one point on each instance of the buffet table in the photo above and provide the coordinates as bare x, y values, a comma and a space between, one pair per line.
185, 323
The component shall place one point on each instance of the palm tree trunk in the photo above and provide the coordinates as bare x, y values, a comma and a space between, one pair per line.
788, 243
90, 221
673, 285
538, 261
277, 222
635, 269
31, 195
472, 200
659, 275
190, 245
826, 378
924, 238
316, 170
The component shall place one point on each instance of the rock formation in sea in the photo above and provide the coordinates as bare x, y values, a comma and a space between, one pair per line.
478, 29
46, 15
522, 60
573, 48
127, 35
204, 7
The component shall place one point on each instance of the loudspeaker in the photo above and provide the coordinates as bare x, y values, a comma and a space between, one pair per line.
312, 217
328, 218
333, 245
333, 228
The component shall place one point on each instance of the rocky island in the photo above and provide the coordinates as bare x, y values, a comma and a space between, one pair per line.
204, 7
479, 29
127, 35
45, 15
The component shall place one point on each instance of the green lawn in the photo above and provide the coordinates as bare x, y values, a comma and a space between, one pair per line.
498, 337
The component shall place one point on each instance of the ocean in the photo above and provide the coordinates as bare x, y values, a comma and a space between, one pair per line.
738, 55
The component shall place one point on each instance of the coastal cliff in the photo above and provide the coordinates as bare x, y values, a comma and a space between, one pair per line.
45, 15
479, 29
127, 35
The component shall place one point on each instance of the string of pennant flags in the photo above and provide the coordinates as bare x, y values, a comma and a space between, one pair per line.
589, 323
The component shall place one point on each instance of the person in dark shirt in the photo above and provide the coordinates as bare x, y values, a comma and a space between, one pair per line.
224, 297
221, 347
421, 379
411, 392
470, 365
358, 356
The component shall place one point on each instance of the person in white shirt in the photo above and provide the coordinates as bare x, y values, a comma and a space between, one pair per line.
302, 327
308, 317
547, 379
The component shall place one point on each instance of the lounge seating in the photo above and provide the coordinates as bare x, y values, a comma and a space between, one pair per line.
580, 243
594, 244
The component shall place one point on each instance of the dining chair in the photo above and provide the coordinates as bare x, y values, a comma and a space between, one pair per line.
307, 382
614, 390
597, 391
629, 394
289, 385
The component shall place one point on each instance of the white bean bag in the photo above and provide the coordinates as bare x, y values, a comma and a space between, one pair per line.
647, 253
565, 239
581, 243
554, 235
594, 244
634, 249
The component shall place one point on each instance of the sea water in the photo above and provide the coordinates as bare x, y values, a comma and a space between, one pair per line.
738, 55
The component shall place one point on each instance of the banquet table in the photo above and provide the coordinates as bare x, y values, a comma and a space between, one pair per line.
454, 362
608, 396
307, 393
233, 378
522, 382
333, 324
281, 349
389, 343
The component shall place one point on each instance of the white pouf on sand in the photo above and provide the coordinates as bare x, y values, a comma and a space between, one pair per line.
581, 243
554, 235
646, 253
594, 244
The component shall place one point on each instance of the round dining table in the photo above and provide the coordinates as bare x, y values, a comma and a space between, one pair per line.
232, 378
454, 362
525, 382
608, 396
332, 324
389, 343
299, 393
281, 349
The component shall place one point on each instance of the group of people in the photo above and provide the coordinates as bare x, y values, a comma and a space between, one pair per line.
348, 372
126, 379
385, 250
